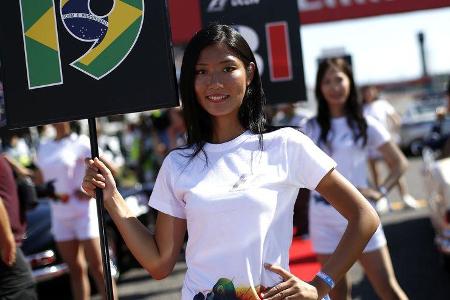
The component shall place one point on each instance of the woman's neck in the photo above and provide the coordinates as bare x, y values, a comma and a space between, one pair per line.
224, 131
61, 135
336, 111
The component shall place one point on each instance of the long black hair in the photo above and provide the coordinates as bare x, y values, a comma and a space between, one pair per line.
198, 121
352, 107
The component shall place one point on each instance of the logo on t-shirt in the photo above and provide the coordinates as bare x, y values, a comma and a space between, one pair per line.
225, 289
240, 183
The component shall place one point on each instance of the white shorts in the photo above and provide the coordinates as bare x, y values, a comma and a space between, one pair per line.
327, 226
79, 228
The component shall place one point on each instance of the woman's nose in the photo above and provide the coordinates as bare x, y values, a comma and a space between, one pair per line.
215, 79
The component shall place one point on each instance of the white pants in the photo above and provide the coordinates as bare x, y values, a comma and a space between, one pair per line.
78, 228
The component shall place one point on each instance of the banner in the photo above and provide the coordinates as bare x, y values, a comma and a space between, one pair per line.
316, 11
74, 59
271, 28
185, 15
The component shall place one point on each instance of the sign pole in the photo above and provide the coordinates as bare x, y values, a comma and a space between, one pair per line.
99, 197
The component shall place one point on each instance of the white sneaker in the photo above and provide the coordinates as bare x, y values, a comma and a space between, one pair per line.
409, 201
382, 205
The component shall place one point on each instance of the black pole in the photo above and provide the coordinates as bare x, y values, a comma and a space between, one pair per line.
423, 57
99, 196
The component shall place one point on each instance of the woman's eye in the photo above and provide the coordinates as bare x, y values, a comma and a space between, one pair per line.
199, 72
229, 69
339, 80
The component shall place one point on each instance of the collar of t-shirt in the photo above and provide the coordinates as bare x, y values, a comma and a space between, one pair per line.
209, 147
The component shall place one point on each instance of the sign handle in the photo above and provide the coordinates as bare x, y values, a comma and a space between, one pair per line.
99, 197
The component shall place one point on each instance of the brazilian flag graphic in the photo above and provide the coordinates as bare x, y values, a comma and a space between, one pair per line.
112, 36
41, 43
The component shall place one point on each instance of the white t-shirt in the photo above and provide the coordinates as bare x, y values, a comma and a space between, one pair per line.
238, 207
63, 162
380, 110
351, 157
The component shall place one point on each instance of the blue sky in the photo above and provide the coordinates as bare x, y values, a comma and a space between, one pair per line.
383, 48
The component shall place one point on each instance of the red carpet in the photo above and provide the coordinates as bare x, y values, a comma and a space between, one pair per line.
302, 259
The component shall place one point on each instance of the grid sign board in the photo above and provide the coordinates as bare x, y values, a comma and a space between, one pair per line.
74, 59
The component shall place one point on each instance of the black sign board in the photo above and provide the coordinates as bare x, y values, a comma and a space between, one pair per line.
272, 30
75, 59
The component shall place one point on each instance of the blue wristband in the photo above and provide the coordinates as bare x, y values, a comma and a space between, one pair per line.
326, 278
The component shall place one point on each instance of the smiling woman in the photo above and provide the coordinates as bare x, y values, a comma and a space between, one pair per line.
233, 187
221, 82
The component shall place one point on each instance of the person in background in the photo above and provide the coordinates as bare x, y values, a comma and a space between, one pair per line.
341, 130
15, 144
176, 131
151, 150
16, 281
74, 214
384, 112
233, 187
443, 112
288, 115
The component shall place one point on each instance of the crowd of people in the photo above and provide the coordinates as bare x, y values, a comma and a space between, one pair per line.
229, 178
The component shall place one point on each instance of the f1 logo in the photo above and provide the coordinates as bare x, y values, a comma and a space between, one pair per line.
112, 36
216, 5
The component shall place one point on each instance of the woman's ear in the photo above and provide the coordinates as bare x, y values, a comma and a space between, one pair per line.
250, 73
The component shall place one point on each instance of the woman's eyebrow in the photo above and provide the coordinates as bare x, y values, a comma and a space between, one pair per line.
221, 62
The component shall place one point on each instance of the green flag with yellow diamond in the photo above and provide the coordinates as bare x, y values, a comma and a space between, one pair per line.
41, 43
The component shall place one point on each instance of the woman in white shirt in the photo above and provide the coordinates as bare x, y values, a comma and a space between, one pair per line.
74, 214
341, 130
384, 112
233, 187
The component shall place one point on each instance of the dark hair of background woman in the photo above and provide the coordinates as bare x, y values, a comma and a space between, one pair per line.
353, 108
198, 121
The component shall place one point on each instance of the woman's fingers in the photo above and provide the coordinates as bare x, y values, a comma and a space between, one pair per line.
98, 176
101, 167
278, 292
279, 270
89, 162
291, 287
91, 182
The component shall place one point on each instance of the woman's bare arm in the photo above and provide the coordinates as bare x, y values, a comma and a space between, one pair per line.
396, 162
362, 223
157, 254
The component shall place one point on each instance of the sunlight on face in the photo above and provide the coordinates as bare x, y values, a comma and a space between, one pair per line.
221, 80
335, 87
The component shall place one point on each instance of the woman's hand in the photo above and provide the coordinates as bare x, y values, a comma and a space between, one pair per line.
291, 288
98, 176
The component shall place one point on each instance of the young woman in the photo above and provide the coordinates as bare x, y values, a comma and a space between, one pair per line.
233, 187
74, 214
382, 111
341, 130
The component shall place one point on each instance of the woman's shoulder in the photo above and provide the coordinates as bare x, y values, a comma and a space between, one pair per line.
286, 135
179, 155
373, 123
312, 121
282, 132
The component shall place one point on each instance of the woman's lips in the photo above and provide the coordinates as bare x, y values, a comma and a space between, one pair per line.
217, 98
